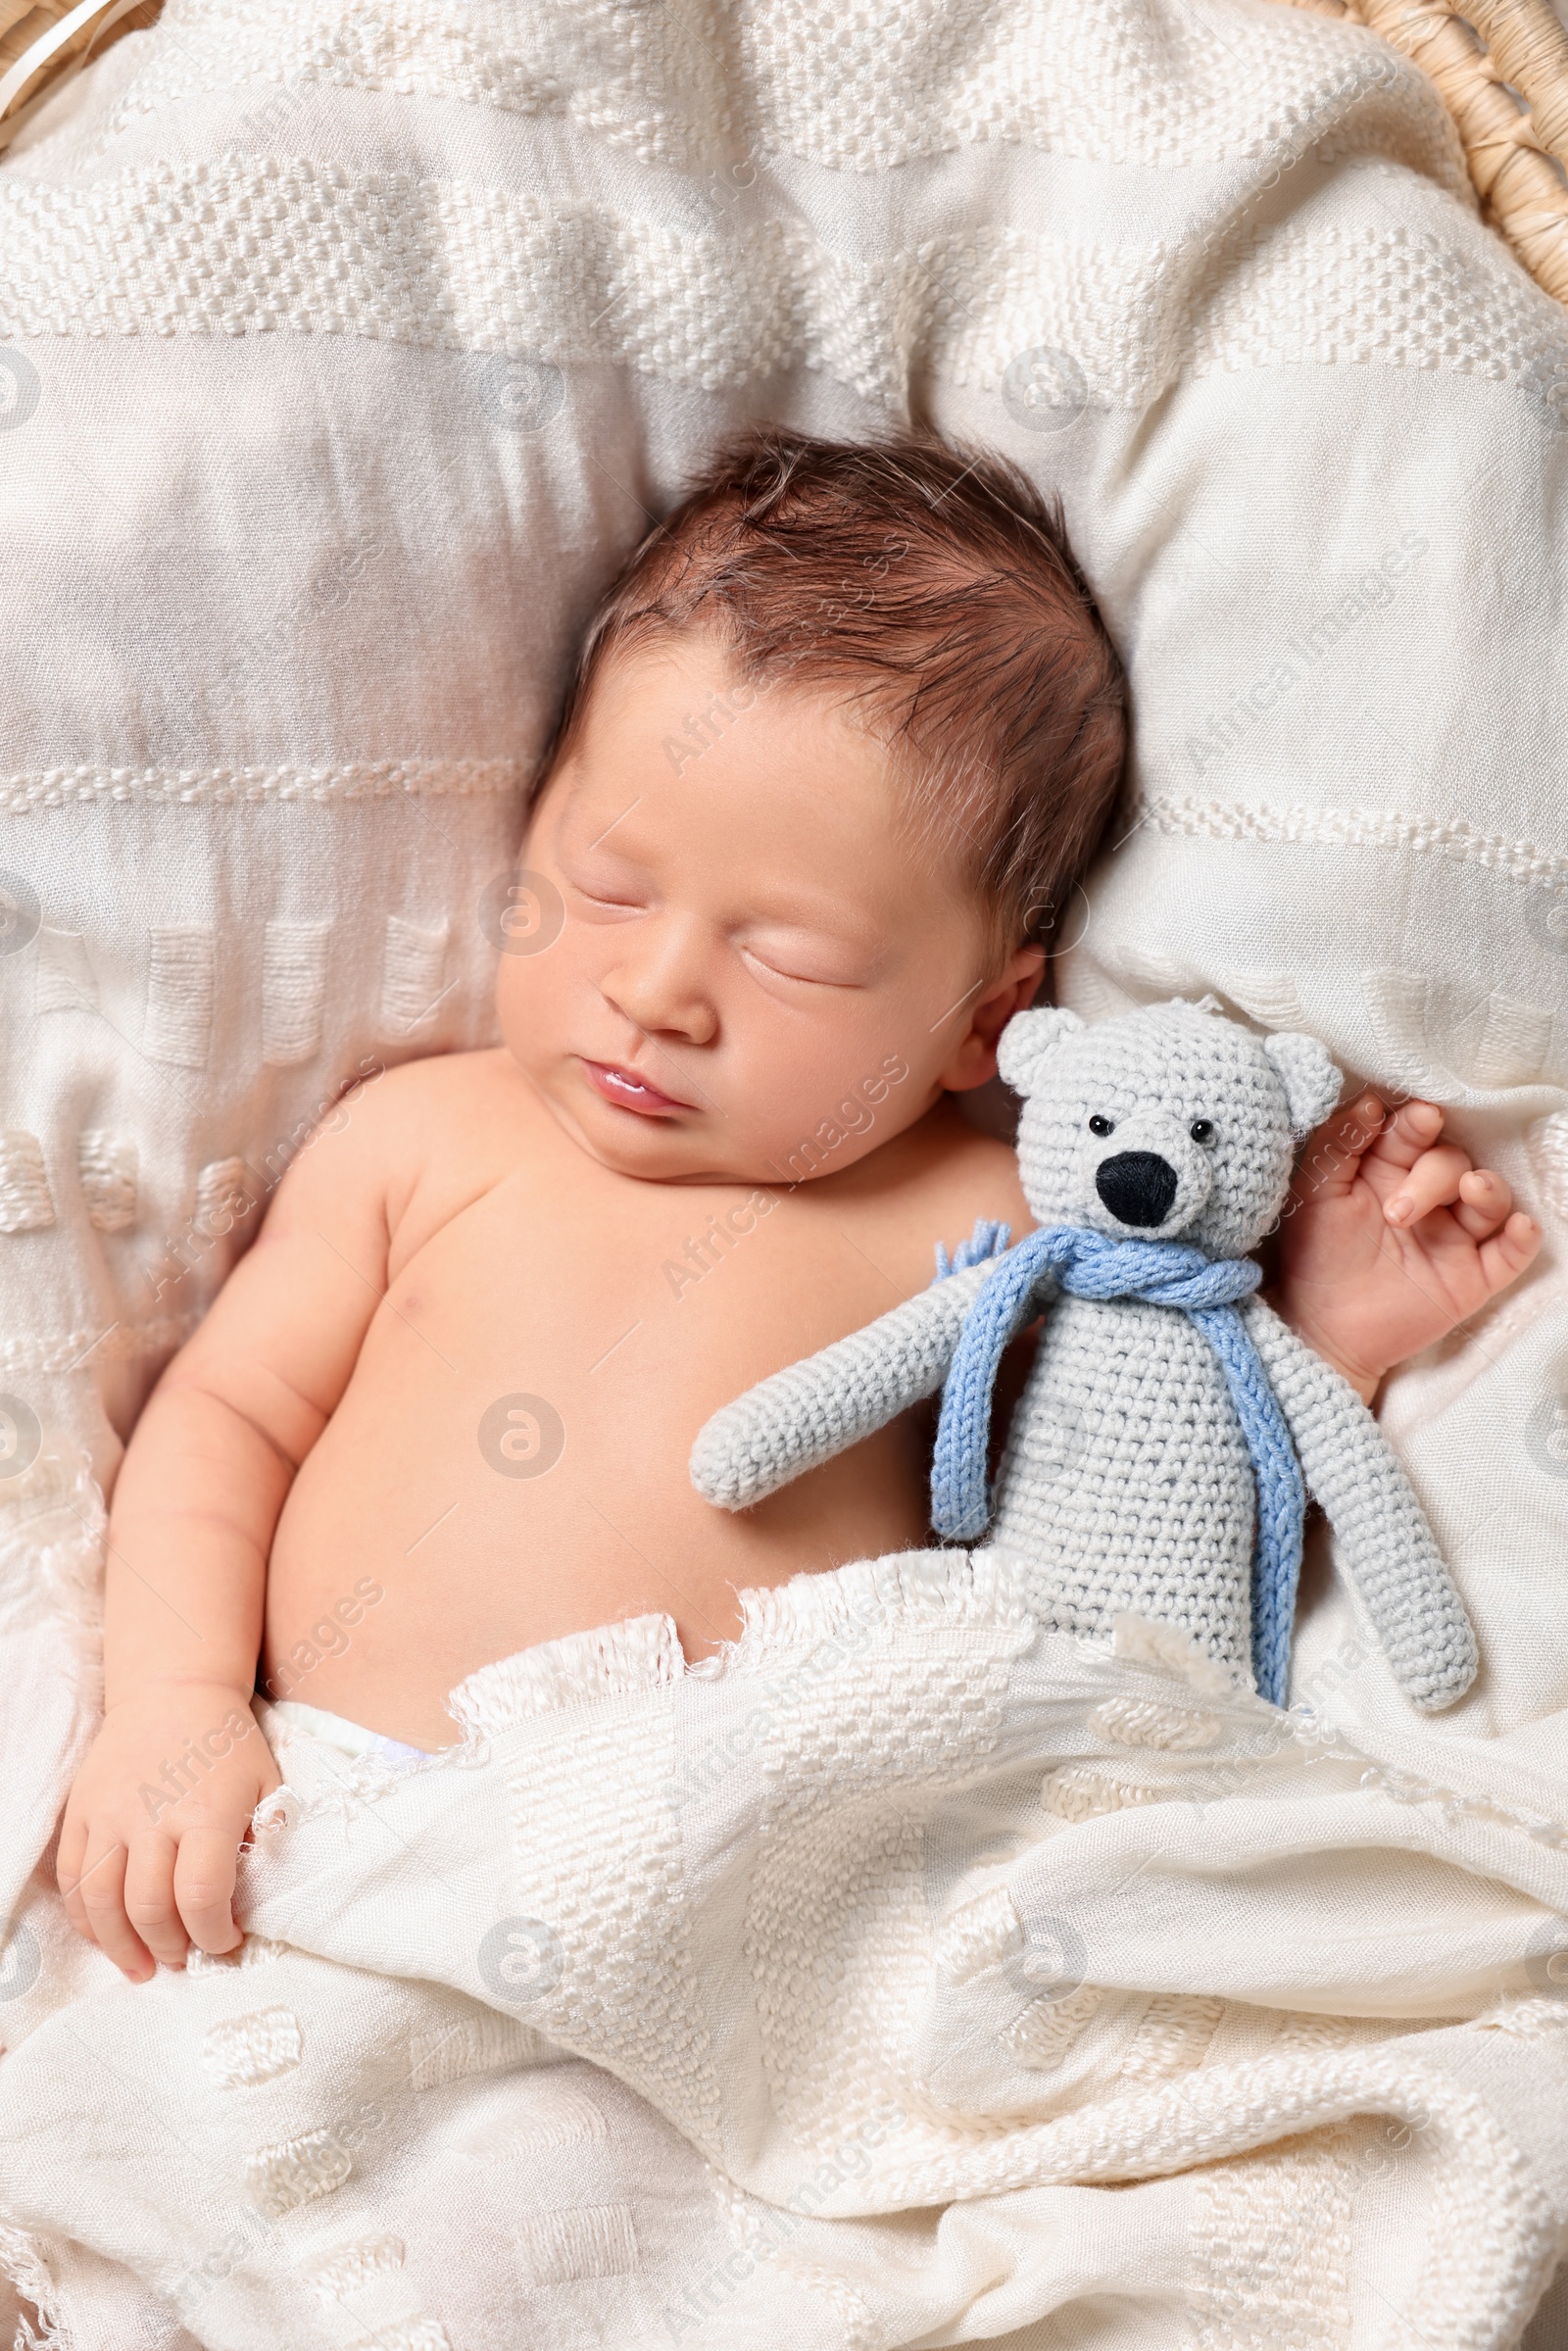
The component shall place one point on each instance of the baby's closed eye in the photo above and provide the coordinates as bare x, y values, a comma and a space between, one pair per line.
811, 961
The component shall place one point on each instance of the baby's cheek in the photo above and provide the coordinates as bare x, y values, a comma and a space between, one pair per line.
531, 997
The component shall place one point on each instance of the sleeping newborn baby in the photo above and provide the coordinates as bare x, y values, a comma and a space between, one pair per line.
840, 741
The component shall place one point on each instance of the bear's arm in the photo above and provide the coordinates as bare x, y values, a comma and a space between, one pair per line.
804, 1416
1383, 1541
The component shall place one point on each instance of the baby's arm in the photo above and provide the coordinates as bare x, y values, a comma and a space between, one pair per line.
1391, 1238
153, 1825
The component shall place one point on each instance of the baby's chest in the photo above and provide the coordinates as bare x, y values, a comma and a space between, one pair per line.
632, 1311
509, 1459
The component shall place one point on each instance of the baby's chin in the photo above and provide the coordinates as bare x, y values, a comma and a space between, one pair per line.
682, 1149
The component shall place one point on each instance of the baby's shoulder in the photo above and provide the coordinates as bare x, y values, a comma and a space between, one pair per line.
387, 1127
966, 1173
422, 1140
422, 1099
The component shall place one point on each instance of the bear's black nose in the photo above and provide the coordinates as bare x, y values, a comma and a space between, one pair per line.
1137, 1186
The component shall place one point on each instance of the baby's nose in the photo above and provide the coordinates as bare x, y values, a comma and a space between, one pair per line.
662, 987
1137, 1186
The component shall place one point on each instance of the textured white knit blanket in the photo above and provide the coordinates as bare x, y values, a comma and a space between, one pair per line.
902, 1906
345, 347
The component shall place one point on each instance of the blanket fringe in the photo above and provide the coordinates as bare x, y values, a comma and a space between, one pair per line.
26, 2270
613, 1661
921, 1589
972, 1591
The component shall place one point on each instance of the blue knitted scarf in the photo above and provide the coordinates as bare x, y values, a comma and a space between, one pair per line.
1162, 1273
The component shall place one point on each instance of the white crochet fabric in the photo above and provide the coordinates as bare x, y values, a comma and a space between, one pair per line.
1125, 1481
344, 351
819, 1907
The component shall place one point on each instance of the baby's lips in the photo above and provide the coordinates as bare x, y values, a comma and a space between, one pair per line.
629, 1091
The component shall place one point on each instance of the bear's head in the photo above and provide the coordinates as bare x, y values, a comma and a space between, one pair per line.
1165, 1124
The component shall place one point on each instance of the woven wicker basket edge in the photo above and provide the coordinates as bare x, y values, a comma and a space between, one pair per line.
1501, 67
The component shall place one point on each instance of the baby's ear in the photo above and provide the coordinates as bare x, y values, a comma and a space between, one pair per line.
1310, 1079
1026, 1041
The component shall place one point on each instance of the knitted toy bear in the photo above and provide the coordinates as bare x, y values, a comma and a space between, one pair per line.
1151, 1466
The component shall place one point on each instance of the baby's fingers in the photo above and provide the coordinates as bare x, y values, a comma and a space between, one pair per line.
1403, 1138
1332, 1159
150, 1896
1504, 1258
102, 1890
1484, 1203
204, 1888
1433, 1182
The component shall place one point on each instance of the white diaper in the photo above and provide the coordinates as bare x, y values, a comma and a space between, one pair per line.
349, 1738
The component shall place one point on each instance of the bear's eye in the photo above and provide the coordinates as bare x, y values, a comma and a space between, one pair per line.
1102, 1126
1202, 1130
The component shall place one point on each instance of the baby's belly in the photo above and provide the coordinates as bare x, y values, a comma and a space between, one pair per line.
1127, 1484
508, 1465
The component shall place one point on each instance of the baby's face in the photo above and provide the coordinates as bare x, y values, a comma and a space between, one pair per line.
757, 977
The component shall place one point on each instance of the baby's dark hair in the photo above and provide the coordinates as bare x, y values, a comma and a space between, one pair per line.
935, 590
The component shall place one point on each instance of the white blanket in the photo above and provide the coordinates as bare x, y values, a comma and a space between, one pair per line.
347, 348
902, 1907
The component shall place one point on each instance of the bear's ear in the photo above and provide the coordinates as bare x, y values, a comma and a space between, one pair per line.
1308, 1075
1026, 1041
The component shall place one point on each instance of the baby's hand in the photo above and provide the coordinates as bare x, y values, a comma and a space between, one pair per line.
1392, 1237
150, 1843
